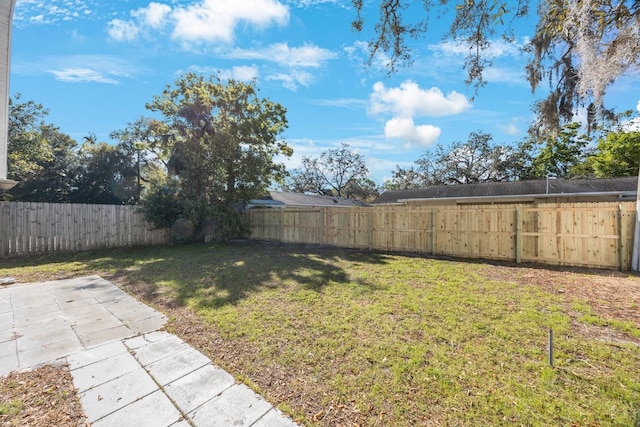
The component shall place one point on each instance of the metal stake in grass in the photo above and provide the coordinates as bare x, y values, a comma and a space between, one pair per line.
550, 347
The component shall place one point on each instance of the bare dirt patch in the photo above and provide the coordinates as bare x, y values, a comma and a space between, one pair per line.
42, 397
611, 294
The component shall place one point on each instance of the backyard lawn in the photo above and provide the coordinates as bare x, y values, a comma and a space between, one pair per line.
341, 337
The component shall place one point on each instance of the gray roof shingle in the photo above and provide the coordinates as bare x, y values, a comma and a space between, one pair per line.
513, 188
305, 200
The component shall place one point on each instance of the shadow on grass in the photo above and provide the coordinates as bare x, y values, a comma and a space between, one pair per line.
208, 275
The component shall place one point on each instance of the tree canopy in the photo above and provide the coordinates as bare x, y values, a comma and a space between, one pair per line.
222, 140
578, 47
616, 154
473, 161
50, 167
339, 172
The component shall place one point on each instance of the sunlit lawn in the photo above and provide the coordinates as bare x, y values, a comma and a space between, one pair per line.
386, 339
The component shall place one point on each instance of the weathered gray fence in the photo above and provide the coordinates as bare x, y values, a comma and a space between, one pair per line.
35, 228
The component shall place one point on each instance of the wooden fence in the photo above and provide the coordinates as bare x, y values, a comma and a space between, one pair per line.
578, 234
34, 228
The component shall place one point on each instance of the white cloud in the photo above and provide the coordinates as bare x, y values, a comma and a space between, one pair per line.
120, 30
341, 102
216, 20
410, 100
104, 69
359, 52
244, 73
241, 73
203, 21
406, 130
82, 75
510, 128
295, 59
497, 48
632, 125
280, 53
50, 11
504, 75
155, 15
292, 80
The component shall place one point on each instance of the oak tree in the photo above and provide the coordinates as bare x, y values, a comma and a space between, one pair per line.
339, 172
222, 143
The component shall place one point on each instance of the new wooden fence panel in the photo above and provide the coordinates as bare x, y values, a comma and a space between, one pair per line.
350, 228
266, 223
302, 226
33, 228
476, 231
580, 234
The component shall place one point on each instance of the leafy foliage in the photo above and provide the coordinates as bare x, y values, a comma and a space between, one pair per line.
558, 155
50, 167
474, 161
105, 175
616, 154
220, 146
579, 47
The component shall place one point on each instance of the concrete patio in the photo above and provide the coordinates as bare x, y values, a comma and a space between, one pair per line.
127, 371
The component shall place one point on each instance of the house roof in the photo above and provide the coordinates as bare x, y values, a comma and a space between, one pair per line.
542, 187
282, 199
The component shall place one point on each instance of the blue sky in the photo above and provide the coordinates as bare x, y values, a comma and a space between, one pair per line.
94, 64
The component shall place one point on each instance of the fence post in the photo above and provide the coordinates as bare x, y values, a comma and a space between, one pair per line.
324, 226
622, 240
282, 225
371, 228
518, 235
433, 231
4, 247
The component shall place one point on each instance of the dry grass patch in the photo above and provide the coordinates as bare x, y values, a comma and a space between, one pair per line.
42, 397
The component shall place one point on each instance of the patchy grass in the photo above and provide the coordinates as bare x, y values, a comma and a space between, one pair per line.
338, 337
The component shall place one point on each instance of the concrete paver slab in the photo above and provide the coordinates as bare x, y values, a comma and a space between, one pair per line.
5, 305
274, 418
142, 340
143, 326
160, 349
200, 386
6, 321
111, 396
97, 337
96, 354
7, 348
236, 406
107, 323
38, 310
103, 371
42, 320
177, 365
154, 410
44, 338
47, 352
7, 335
8, 363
